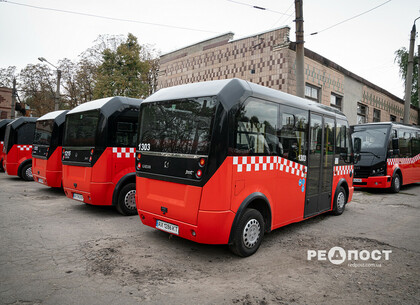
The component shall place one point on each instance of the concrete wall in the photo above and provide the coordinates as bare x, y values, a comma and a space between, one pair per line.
353, 91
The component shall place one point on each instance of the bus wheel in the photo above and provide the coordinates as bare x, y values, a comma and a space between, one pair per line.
27, 173
340, 201
396, 183
127, 201
248, 233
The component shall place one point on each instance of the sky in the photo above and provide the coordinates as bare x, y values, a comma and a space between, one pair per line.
364, 45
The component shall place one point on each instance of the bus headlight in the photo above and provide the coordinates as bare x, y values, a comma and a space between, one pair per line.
378, 171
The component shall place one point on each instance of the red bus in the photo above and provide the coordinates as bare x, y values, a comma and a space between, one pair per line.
224, 162
46, 151
99, 153
17, 147
3, 124
388, 153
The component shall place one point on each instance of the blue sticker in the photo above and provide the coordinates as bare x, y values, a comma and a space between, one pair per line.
300, 182
303, 181
303, 188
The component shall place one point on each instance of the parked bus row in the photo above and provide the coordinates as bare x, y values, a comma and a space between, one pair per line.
220, 162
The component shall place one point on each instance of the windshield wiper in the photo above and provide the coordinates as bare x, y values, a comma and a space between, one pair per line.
369, 152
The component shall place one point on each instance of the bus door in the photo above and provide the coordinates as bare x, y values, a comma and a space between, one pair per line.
320, 165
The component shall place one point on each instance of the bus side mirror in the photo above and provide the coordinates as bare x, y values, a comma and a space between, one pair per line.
357, 145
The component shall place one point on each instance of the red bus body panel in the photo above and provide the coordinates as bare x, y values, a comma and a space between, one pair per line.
97, 183
50, 170
209, 211
410, 171
341, 172
14, 158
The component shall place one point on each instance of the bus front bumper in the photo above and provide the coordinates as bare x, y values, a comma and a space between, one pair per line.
213, 227
373, 182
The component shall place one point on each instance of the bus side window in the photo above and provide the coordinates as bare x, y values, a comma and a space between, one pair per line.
256, 129
415, 144
343, 145
293, 133
26, 134
125, 125
404, 143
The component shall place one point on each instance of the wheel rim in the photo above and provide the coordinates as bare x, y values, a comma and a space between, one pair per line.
28, 172
251, 233
397, 182
130, 200
341, 200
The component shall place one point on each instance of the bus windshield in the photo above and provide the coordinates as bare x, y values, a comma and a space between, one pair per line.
373, 138
81, 128
43, 131
181, 126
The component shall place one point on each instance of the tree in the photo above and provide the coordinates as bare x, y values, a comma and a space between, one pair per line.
401, 57
38, 85
123, 72
6, 76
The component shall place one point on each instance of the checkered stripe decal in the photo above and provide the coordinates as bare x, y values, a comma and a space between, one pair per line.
255, 164
24, 147
124, 152
342, 170
404, 160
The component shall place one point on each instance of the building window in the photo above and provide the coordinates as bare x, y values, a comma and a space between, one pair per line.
312, 92
362, 111
376, 115
336, 101
392, 118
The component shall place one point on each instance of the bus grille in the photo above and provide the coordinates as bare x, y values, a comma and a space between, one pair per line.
362, 172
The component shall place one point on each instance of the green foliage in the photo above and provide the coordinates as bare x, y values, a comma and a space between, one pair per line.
123, 72
401, 57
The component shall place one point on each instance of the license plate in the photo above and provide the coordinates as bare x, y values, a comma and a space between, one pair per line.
40, 180
167, 227
78, 196
357, 180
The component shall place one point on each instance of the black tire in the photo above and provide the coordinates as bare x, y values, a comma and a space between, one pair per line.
340, 201
396, 183
1, 166
248, 233
126, 204
26, 172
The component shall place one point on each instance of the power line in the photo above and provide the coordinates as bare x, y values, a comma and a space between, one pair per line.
287, 18
109, 18
358, 15
258, 7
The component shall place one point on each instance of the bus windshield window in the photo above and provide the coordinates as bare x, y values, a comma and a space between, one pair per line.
372, 137
43, 132
81, 128
181, 126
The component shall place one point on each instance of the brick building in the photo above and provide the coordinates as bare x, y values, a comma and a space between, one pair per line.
5, 102
268, 59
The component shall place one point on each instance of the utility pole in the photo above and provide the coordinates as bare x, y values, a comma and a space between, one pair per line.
57, 91
12, 112
409, 76
300, 49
